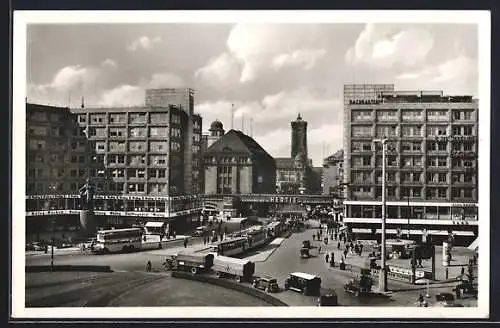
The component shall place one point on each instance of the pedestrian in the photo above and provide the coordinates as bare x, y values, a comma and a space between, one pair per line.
185, 242
420, 300
338, 245
420, 263
327, 257
319, 250
345, 253
462, 271
356, 249
314, 237
360, 249
332, 259
173, 233
148, 266
335, 236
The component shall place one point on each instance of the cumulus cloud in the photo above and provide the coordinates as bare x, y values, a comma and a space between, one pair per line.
123, 95
133, 95
254, 47
109, 63
305, 58
165, 80
223, 68
143, 42
70, 77
458, 74
384, 46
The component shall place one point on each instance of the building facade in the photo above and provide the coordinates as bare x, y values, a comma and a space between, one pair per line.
431, 181
333, 174
144, 160
236, 165
294, 173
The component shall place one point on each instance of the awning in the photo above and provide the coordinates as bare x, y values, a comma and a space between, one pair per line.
155, 224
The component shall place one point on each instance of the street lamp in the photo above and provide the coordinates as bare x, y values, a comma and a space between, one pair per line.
383, 270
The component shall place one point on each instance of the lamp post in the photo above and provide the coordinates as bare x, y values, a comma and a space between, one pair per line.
383, 270
409, 213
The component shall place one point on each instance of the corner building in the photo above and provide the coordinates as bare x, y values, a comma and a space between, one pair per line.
146, 161
431, 168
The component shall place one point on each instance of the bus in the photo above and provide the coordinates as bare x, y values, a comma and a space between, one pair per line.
274, 229
231, 247
256, 235
117, 240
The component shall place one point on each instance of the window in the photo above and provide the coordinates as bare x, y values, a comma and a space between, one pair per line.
175, 133
137, 118
442, 162
467, 193
157, 132
158, 146
361, 131
412, 131
135, 146
387, 115
411, 115
97, 118
116, 118
158, 117
436, 131
176, 119
442, 193
118, 173
442, 177
387, 131
82, 118
117, 132
468, 178
357, 115
437, 115
175, 146
468, 146
117, 146
467, 115
137, 132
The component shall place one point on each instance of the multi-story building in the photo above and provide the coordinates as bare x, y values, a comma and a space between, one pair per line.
237, 164
431, 178
145, 160
333, 174
293, 173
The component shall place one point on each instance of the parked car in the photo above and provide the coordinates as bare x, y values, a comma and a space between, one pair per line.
328, 299
268, 284
35, 246
199, 231
305, 283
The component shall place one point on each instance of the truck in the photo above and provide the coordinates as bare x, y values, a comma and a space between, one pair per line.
239, 269
192, 262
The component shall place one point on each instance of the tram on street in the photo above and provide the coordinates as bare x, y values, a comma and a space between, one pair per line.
118, 240
257, 236
231, 247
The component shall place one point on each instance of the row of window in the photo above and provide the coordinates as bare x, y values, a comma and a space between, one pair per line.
411, 161
412, 115
415, 192
396, 131
133, 118
42, 116
414, 146
431, 177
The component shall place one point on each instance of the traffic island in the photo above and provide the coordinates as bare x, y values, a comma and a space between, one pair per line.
231, 285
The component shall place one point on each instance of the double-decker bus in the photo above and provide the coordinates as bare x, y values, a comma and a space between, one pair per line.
117, 240
231, 247
256, 235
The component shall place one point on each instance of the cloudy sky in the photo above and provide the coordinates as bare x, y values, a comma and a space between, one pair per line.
270, 72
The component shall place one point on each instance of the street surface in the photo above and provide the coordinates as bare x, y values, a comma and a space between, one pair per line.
64, 289
277, 259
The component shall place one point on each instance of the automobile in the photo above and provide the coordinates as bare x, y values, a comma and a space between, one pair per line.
199, 231
306, 244
304, 252
328, 299
269, 284
35, 246
446, 300
305, 283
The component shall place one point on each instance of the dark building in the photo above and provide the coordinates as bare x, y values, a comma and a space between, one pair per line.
237, 164
315, 180
299, 137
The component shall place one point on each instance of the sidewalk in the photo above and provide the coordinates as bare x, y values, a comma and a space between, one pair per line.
459, 259
151, 243
268, 250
